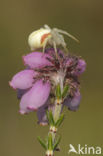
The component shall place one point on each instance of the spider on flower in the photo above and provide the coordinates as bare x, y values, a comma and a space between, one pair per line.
47, 36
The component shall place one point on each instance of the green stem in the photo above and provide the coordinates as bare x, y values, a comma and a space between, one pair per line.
56, 115
57, 111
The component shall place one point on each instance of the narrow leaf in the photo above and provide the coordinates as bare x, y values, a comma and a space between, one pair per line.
51, 118
65, 91
56, 143
42, 143
50, 142
47, 114
60, 120
58, 91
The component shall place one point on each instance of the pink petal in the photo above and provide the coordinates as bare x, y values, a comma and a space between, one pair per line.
24, 104
35, 97
37, 59
23, 79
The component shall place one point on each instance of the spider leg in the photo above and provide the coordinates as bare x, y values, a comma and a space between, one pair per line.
44, 46
66, 33
55, 48
47, 27
65, 48
62, 42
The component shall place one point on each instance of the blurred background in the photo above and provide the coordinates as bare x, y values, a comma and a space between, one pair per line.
83, 19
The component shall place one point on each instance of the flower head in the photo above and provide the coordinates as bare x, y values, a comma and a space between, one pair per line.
36, 84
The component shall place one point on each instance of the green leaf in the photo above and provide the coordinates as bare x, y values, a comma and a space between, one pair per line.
60, 120
50, 117
50, 142
56, 143
58, 91
65, 91
42, 143
47, 114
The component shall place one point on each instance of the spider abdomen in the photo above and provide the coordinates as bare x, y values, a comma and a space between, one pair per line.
38, 38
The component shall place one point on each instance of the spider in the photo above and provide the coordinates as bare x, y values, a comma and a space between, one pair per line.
47, 36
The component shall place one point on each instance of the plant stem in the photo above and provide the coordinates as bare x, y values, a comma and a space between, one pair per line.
56, 115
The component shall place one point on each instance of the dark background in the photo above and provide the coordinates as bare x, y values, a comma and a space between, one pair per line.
83, 19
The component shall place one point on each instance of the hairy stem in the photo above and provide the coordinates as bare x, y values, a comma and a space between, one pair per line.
56, 115
53, 130
57, 111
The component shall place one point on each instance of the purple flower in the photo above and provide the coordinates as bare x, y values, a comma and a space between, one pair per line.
36, 60
81, 66
32, 92
36, 84
73, 102
23, 79
41, 114
35, 97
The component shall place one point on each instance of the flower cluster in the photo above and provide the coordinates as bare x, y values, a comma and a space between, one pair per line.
36, 84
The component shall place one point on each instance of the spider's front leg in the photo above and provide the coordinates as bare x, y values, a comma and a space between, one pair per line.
66, 33
65, 48
44, 46
47, 27
55, 48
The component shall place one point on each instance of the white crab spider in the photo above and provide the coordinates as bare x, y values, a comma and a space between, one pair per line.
47, 36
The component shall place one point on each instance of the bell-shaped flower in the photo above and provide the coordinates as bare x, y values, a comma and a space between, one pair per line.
36, 84
80, 68
36, 60
35, 97
73, 102
23, 79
